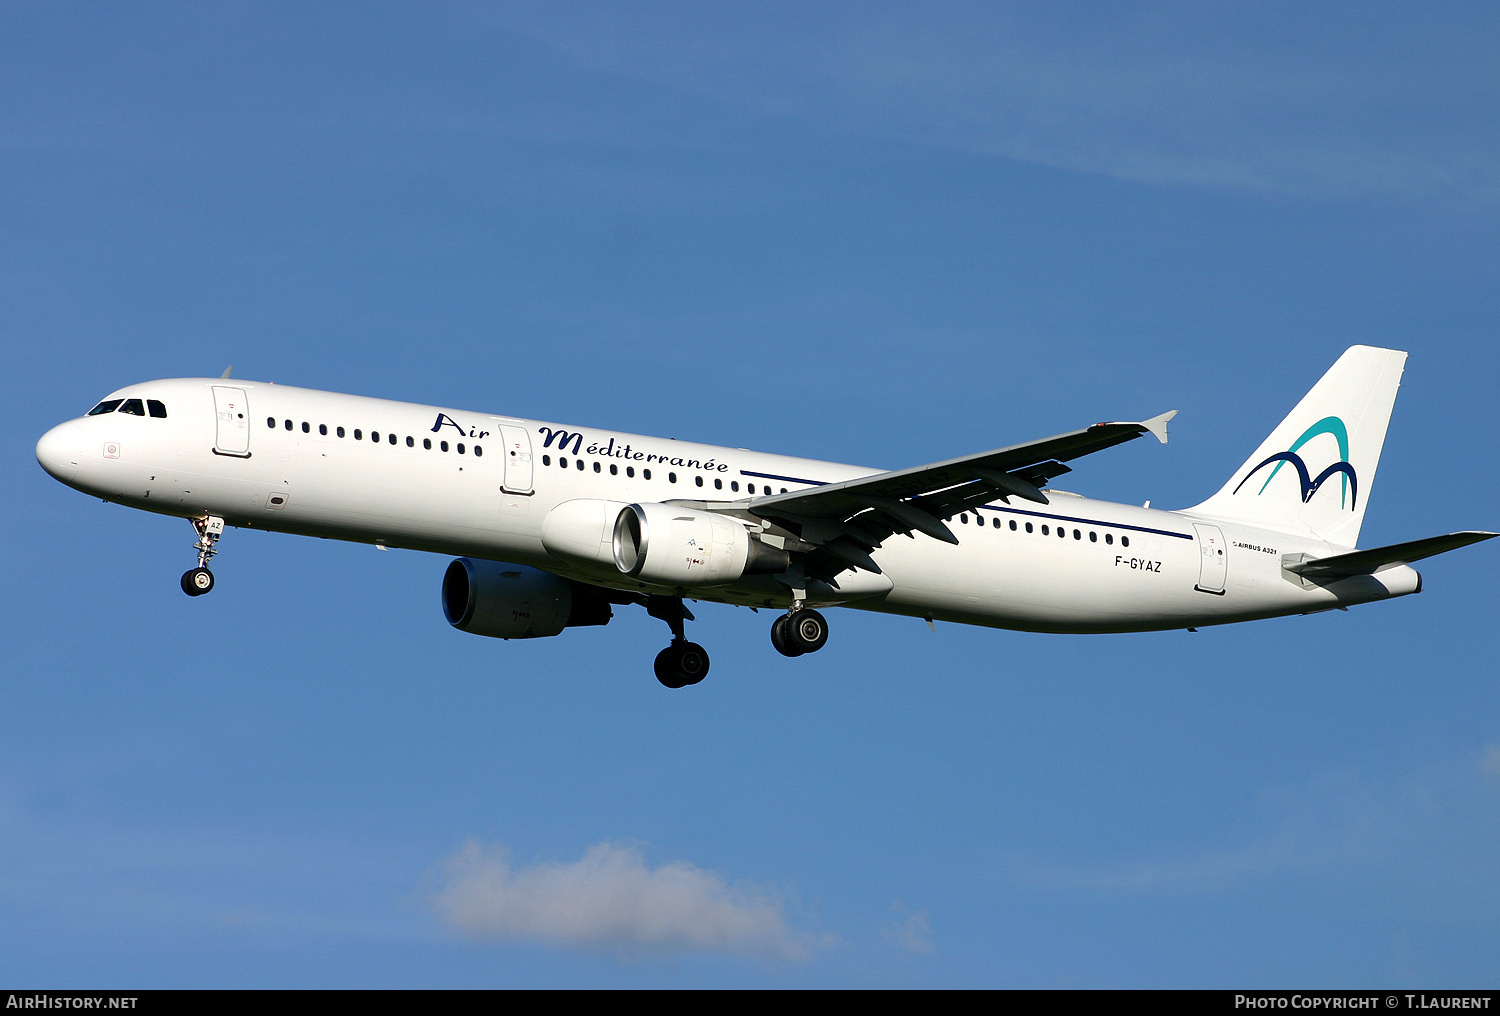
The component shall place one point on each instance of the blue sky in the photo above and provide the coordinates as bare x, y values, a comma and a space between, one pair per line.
875, 233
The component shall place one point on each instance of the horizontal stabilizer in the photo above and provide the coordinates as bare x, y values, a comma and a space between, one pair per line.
1368, 562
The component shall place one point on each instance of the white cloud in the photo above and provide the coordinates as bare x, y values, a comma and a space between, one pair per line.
1433, 832
913, 930
1256, 97
610, 899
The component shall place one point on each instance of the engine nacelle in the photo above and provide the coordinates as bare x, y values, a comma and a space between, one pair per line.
672, 546
579, 530
512, 601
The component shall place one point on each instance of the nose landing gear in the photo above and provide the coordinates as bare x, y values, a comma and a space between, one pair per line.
799, 632
199, 580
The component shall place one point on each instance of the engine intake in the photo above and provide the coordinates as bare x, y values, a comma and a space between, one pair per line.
512, 601
673, 546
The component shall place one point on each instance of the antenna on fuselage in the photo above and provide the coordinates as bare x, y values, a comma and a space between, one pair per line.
226, 372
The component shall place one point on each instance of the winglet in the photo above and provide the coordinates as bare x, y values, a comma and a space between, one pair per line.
1158, 425
226, 372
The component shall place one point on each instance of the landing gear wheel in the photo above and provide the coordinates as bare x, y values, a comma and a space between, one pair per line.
681, 664
801, 631
781, 638
197, 581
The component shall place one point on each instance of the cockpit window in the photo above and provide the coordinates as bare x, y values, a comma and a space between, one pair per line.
158, 409
133, 407
107, 406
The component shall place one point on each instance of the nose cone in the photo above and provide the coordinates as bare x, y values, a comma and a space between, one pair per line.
58, 451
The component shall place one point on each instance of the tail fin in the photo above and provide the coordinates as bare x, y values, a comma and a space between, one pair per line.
1314, 474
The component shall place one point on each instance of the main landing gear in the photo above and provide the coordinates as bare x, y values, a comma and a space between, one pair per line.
682, 663
799, 632
199, 580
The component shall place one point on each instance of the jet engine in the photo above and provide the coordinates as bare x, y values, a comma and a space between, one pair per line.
512, 601
673, 546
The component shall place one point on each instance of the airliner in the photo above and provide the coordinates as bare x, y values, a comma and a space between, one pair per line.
551, 526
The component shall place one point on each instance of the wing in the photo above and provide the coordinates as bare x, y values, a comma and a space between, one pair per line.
845, 521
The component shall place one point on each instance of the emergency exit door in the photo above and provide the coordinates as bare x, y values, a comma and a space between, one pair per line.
232, 422
517, 460
1213, 560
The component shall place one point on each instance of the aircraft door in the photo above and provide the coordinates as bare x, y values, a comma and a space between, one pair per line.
232, 423
1213, 559
517, 460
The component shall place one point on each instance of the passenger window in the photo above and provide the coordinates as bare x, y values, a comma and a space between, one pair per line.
427, 443
698, 481
271, 422
1124, 541
391, 438
671, 477
561, 462
1062, 533
1045, 531
460, 448
288, 424
783, 490
734, 485
110, 405
629, 470
306, 427
411, 442
578, 463
1077, 535
1013, 525
340, 432
1093, 536
358, 434
477, 450
645, 474
134, 407
323, 429
718, 484
597, 467
1028, 527
996, 523
442, 446
1109, 538
614, 470
158, 409
375, 436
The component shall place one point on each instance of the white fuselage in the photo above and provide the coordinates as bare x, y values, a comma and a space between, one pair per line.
270, 457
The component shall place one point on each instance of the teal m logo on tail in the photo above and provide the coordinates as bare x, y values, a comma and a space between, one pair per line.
1348, 481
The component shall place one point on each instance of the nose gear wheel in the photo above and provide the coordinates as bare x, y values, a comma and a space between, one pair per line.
197, 581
